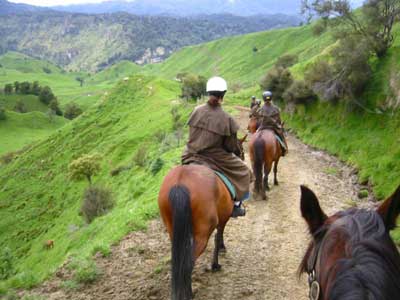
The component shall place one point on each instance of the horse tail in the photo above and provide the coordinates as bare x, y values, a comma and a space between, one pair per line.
259, 152
182, 243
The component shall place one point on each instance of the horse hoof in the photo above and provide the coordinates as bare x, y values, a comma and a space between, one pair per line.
215, 267
276, 183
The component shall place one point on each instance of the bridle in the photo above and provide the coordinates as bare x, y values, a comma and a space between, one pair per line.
313, 262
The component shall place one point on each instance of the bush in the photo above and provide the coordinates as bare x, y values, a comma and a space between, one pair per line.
299, 93
85, 270
2, 114
193, 86
8, 89
286, 61
20, 107
25, 280
85, 167
97, 201
55, 107
156, 166
141, 156
6, 263
104, 250
46, 95
277, 80
72, 111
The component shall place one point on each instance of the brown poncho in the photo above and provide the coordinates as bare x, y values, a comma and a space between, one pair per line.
212, 139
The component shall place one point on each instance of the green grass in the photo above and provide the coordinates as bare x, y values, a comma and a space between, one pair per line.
49, 209
19, 130
31, 102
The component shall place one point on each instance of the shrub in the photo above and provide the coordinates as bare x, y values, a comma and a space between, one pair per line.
46, 70
97, 201
2, 114
46, 95
85, 167
156, 166
277, 80
20, 107
72, 111
85, 270
55, 107
193, 86
299, 93
104, 250
286, 61
25, 280
141, 156
8, 89
6, 263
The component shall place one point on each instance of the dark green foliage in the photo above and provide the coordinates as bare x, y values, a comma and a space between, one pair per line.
97, 201
81, 80
20, 107
55, 107
156, 166
6, 263
8, 89
46, 95
25, 87
193, 86
16, 86
85, 271
286, 61
299, 93
277, 80
72, 110
46, 70
35, 89
2, 113
255, 49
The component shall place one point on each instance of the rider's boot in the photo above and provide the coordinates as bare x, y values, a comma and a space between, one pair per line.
238, 210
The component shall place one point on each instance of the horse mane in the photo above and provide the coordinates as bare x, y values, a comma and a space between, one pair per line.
371, 267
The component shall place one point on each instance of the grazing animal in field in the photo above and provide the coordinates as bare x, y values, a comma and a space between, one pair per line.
49, 244
351, 255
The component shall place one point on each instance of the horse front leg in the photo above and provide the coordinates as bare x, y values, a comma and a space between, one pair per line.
267, 169
276, 172
218, 241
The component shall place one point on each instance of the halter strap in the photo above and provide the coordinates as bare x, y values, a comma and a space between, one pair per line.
315, 289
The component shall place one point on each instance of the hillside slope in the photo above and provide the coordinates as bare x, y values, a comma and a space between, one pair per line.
49, 210
92, 42
235, 59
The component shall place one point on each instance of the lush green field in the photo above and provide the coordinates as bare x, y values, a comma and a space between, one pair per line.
31, 102
49, 210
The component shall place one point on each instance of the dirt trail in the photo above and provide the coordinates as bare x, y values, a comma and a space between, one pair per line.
264, 248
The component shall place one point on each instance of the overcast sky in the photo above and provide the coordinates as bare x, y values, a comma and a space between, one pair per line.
54, 2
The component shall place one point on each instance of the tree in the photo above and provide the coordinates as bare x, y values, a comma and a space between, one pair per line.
85, 167
25, 87
72, 111
374, 22
193, 86
2, 113
277, 80
8, 89
35, 88
16, 86
299, 93
81, 80
55, 106
46, 95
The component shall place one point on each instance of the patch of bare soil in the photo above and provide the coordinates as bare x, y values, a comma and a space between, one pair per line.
264, 248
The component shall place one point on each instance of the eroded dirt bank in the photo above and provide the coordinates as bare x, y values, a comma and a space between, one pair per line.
264, 248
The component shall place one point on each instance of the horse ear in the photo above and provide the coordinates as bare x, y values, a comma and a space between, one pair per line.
390, 209
243, 139
311, 210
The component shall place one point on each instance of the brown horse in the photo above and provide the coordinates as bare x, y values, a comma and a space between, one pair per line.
193, 202
265, 151
352, 255
253, 125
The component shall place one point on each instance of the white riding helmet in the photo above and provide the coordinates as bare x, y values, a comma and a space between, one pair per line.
216, 84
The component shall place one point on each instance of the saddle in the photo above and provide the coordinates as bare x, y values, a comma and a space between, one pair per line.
227, 183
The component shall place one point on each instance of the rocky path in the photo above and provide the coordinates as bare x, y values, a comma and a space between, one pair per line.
264, 248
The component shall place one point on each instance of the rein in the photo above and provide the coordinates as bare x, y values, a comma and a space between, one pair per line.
315, 288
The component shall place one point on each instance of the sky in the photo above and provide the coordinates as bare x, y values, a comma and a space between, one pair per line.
54, 2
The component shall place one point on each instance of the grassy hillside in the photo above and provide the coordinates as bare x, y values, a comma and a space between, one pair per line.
31, 102
49, 210
235, 59
19, 130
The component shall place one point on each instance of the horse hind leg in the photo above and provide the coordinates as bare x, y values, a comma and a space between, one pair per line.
267, 169
276, 173
218, 241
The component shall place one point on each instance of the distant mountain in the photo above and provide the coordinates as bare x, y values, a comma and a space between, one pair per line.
188, 8
93, 42
8, 8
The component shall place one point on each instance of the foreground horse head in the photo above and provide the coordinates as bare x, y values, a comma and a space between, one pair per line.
352, 255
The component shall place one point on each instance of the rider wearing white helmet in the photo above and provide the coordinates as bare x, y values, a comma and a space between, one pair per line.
213, 139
